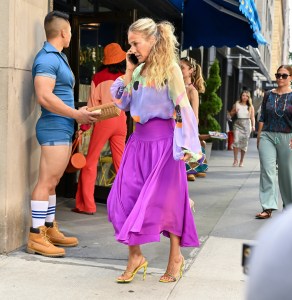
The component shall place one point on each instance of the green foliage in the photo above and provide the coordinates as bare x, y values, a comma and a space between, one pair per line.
211, 103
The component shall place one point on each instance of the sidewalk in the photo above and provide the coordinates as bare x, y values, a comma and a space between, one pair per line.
226, 202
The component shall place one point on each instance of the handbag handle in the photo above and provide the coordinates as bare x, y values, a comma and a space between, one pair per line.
77, 140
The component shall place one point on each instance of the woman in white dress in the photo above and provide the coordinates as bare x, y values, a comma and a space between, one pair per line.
243, 126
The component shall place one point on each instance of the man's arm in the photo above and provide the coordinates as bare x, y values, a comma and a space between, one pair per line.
44, 87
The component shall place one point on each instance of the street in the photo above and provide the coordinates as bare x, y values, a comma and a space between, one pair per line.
226, 202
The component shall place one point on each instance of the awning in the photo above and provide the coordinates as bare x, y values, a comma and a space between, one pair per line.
178, 4
249, 59
256, 56
221, 23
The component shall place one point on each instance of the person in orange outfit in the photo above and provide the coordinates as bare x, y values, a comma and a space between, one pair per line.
113, 130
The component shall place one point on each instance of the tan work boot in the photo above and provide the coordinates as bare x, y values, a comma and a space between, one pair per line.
38, 242
57, 237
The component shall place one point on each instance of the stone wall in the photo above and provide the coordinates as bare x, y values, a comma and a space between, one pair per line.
21, 36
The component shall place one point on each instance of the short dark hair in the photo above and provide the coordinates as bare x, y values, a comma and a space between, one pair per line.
49, 19
114, 68
55, 14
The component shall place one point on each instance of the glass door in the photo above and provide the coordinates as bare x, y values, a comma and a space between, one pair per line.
90, 57
91, 35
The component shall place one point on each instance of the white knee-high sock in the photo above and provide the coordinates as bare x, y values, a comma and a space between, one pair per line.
39, 212
51, 209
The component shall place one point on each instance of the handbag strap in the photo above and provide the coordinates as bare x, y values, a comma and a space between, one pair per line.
77, 140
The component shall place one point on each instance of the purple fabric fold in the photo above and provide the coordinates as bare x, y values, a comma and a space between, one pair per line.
150, 193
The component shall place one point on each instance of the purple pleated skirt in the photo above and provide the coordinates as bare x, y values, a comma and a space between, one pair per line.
150, 192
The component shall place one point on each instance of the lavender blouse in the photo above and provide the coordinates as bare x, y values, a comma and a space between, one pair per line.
145, 102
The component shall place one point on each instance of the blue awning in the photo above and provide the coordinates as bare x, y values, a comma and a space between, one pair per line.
179, 4
221, 23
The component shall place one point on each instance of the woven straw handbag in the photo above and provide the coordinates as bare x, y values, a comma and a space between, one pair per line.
108, 110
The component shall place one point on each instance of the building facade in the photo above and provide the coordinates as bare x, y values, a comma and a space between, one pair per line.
94, 24
22, 35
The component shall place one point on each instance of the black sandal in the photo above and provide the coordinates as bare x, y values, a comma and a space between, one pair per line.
265, 214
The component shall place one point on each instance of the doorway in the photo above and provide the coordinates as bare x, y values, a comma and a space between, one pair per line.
90, 34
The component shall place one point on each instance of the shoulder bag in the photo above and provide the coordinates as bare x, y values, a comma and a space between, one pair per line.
77, 160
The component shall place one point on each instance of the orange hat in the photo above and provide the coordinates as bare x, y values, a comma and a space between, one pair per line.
113, 54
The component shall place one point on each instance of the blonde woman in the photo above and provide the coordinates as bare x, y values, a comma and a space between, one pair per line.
150, 194
243, 126
194, 82
195, 85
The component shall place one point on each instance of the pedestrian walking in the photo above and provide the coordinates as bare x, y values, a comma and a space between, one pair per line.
53, 83
150, 193
274, 144
243, 126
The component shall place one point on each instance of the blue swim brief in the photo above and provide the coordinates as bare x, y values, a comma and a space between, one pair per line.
53, 131
57, 143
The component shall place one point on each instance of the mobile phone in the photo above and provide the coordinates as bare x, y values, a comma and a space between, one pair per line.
133, 59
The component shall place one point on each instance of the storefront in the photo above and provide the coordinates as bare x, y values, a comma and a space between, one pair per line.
94, 25
22, 36
228, 31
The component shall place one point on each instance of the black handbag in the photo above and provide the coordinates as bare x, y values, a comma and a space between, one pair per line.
234, 118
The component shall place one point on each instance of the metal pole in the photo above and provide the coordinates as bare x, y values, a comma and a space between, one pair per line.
51, 5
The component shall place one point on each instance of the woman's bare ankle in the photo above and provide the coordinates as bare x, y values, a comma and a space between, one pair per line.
175, 259
134, 260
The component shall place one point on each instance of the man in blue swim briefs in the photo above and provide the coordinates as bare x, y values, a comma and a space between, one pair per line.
54, 84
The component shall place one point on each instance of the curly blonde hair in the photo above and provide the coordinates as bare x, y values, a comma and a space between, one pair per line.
163, 54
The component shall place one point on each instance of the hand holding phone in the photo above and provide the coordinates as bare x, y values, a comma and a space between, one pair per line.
133, 59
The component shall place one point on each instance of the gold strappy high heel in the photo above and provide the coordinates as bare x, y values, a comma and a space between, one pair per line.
167, 277
142, 265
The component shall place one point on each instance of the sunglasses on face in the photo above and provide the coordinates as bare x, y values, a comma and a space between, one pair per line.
279, 75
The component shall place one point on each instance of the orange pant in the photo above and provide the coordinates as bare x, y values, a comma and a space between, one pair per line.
113, 130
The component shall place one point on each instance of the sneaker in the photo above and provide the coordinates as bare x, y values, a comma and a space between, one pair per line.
58, 238
200, 174
191, 177
39, 243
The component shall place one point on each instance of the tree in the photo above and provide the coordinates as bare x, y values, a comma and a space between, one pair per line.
211, 103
